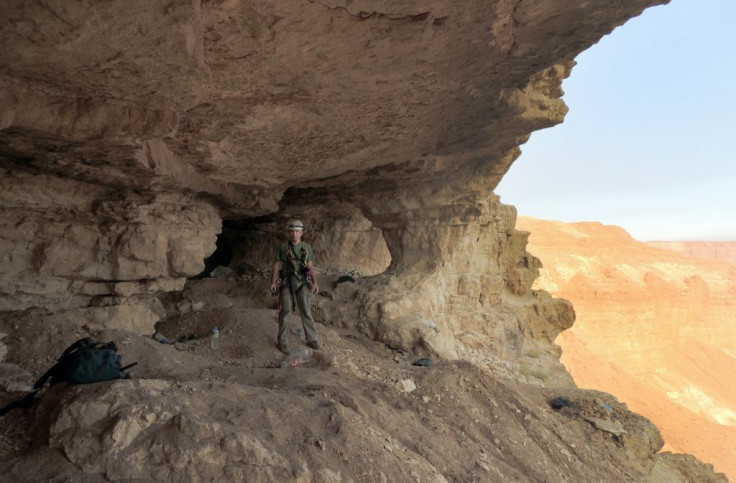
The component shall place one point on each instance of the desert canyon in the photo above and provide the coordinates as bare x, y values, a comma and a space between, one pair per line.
655, 326
145, 144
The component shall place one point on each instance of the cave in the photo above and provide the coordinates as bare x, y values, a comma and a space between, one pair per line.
133, 134
345, 242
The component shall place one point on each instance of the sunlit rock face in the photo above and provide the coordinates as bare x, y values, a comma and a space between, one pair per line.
129, 130
654, 327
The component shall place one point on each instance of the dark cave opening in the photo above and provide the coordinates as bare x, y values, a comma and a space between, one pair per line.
241, 246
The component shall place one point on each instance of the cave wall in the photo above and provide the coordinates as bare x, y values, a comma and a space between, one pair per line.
130, 129
66, 242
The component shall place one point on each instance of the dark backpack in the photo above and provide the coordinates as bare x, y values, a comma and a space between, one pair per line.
86, 362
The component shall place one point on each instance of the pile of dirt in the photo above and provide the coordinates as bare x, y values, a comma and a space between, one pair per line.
355, 410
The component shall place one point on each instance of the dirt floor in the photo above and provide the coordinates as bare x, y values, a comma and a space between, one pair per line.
353, 411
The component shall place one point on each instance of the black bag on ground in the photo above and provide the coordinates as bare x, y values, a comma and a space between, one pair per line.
86, 362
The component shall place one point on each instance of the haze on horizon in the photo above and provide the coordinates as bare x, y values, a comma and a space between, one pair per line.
649, 141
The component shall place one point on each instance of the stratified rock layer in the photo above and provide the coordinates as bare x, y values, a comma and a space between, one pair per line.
69, 244
115, 116
654, 327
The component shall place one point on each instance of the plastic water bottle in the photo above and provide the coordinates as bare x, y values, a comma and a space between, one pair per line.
215, 340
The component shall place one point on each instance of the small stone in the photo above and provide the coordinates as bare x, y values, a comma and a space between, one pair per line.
220, 272
321, 445
496, 441
614, 427
425, 399
18, 386
424, 362
184, 306
407, 385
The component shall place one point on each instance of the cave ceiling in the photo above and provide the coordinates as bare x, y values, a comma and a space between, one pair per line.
240, 100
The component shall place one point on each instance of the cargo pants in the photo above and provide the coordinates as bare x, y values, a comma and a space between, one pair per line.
304, 302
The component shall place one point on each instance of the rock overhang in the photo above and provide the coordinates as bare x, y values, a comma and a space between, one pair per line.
130, 129
242, 100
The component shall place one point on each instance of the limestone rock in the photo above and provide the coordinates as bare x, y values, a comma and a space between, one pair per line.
110, 428
194, 417
407, 385
613, 427
190, 113
186, 113
14, 378
140, 245
134, 316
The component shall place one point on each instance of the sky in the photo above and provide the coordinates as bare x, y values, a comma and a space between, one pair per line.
649, 143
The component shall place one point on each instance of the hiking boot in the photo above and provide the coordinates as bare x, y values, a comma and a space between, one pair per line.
314, 345
284, 348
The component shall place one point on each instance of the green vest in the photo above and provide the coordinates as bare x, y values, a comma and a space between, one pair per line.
292, 264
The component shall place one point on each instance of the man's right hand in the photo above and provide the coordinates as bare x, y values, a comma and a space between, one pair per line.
274, 288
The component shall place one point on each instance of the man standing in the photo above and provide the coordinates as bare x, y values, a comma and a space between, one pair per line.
294, 265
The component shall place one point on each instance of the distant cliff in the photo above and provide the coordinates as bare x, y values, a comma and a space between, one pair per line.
724, 251
654, 327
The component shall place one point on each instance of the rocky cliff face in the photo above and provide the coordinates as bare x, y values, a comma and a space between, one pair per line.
655, 327
130, 130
